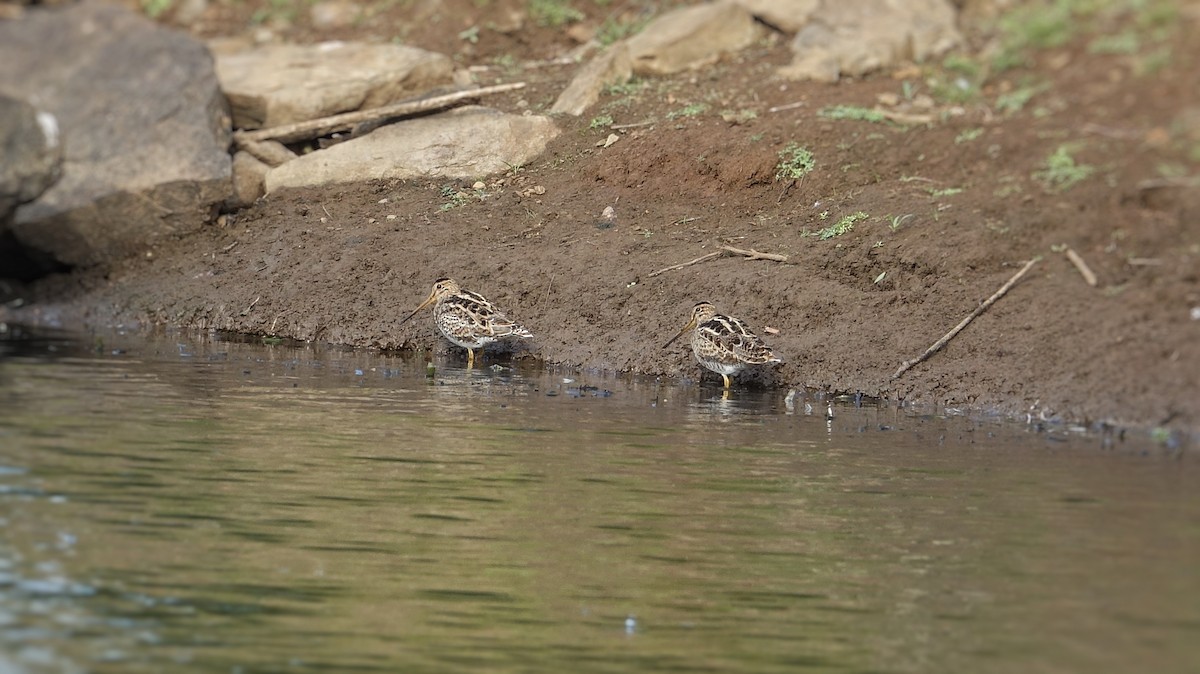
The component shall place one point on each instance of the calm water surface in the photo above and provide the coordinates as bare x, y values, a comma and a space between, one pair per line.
184, 504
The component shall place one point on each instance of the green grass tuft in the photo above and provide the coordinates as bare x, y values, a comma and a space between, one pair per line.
795, 162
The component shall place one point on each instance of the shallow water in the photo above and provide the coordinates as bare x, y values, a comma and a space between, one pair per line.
184, 504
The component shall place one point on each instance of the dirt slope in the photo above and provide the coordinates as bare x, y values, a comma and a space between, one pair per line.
953, 208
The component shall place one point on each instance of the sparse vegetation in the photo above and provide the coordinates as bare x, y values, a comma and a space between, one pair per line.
795, 162
456, 197
470, 35
600, 122
968, 135
155, 8
1014, 101
852, 112
688, 111
1061, 172
842, 226
553, 13
898, 220
1126, 42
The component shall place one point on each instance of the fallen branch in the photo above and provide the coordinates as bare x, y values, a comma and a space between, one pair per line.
909, 364
750, 254
315, 128
755, 255
1089, 276
698, 260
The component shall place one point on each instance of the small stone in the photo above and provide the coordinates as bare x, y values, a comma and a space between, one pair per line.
478, 185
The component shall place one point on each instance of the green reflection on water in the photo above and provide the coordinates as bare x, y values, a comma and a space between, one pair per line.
216, 506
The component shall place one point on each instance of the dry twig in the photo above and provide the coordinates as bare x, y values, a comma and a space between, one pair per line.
290, 133
1089, 276
750, 254
755, 255
909, 364
681, 265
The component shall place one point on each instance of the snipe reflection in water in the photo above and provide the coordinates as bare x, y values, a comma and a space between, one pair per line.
223, 506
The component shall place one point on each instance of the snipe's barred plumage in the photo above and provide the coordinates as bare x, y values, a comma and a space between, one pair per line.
723, 343
468, 319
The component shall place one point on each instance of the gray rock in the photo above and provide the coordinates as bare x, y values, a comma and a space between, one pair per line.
614, 66
249, 179
788, 16
467, 142
692, 37
32, 152
281, 84
145, 129
854, 37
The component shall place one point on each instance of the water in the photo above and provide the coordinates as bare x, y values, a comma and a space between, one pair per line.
184, 504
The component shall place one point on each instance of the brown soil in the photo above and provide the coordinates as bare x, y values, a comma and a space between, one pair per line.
346, 263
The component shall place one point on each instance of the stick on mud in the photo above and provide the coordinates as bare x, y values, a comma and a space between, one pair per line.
1076, 259
290, 133
750, 254
909, 364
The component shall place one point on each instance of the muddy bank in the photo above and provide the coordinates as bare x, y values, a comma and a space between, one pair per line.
952, 208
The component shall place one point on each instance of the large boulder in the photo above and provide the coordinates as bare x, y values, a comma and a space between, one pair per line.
854, 37
145, 129
280, 84
467, 142
788, 16
692, 37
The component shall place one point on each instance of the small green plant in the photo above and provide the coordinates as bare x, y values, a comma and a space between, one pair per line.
1160, 435
456, 197
601, 122
842, 226
898, 220
470, 35
553, 13
1061, 172
1014, 101
852, 112
277, 10
795, 162
155, 8
1034, 26
1125, 42
968, 135
1153, 61
688, 111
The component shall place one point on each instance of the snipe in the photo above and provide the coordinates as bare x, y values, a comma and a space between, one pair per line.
467, 319
723, 343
